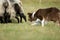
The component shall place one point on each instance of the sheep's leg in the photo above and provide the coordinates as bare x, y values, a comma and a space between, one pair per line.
22, 16
17, 19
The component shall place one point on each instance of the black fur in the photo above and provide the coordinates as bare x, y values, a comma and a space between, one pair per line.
19, 13
6, 14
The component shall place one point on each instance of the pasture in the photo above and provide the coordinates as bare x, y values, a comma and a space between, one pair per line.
25, 31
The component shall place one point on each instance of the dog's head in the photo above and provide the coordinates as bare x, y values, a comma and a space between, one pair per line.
30, 18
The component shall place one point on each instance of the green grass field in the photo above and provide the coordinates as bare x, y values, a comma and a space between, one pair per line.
25, 31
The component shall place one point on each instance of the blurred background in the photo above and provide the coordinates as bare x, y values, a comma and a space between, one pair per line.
25, 31
32, 5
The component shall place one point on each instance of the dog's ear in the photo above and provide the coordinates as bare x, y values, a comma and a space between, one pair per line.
29, 14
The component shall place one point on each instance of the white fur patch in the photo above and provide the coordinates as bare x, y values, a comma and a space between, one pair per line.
33, 14
43, 22
36, 22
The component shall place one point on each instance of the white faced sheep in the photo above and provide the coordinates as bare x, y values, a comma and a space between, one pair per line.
15, 9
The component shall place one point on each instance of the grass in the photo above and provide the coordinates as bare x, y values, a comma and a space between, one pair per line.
25, 31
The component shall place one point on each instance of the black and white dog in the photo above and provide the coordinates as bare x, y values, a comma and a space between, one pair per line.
47, 14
